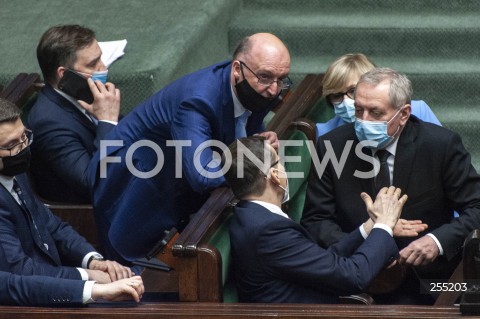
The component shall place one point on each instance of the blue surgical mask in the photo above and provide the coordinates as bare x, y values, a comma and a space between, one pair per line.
100, 75
375, 131
346, 110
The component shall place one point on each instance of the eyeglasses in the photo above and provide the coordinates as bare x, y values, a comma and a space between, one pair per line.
25, 140
282, 84
338, 97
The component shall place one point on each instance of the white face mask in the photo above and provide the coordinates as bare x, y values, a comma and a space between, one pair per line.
346, 110
286, 194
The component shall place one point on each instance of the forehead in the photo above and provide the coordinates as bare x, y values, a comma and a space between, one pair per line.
270, 59
10, 131
373, 95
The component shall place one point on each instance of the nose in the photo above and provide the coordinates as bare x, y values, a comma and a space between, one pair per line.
273, 89
101, 66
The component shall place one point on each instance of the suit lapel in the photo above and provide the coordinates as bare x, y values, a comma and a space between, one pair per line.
228, 116
404, 157
69, 107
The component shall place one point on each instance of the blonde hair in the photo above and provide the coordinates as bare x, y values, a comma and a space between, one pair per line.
340, 70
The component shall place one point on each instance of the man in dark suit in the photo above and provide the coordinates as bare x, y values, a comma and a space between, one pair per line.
68, 131
275, 259
428, 162
49, 291
33, 241
149, 176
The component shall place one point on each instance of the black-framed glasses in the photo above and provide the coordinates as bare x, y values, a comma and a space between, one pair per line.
338, 97
25, 140
282, 84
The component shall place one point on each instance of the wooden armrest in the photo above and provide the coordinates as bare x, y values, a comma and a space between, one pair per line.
21, 88
204, 222
308, 92
361, 299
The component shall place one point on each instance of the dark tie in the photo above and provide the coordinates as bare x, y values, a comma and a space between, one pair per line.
23, 203
383, 177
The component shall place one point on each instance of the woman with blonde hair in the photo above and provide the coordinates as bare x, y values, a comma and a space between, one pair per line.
339, 88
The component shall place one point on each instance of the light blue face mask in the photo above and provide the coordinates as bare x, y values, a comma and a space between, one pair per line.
346, 110
375, 131
100, 75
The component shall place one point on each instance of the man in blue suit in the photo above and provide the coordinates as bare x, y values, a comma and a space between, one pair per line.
33, 241
158, 166
49, 291
68, 131
275, 259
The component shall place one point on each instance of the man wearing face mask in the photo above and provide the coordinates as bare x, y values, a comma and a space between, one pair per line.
222, 102
428, 162
274, 259
67, 130
33, 241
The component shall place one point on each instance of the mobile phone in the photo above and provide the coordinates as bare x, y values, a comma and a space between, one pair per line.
75, 85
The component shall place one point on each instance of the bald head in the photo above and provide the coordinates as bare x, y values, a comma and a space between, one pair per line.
264, 55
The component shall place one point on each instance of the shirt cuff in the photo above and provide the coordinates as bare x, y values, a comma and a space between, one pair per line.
87, 257
87, 292
440, 248
384, 227
83, 273
111, 122
363, 232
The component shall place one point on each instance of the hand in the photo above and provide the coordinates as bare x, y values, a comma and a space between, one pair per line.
408, 228
387, 207
98, 275
106, 101
123, 289
271, 138
420, 252
112, 268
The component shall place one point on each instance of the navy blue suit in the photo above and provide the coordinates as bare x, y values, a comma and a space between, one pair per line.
276, 261
65, 140
22, 251
132, 212
39, 290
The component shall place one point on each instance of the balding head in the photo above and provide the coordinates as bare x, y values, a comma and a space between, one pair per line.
265, 55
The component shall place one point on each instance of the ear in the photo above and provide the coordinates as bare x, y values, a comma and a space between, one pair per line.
60, 71
274, 176
405, 114
236, 69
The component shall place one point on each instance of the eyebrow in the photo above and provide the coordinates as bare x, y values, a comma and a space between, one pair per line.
94, 61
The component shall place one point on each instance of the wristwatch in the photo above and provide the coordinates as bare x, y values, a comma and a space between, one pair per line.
94, 257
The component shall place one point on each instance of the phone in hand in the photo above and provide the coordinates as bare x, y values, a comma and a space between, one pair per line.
75, 85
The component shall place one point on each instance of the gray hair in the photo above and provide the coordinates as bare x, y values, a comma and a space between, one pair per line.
400, 86
9, 112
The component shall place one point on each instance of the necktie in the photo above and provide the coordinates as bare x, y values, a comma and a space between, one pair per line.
23, 203
240, 123
383, 177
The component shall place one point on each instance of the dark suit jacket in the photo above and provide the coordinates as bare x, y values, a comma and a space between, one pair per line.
39, 290
132, 212
276, 260
63, 145
431, 166
21, 249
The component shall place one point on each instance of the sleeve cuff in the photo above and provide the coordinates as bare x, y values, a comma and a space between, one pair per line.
111, 122
440, 248
87, 292
363, 232
384, 227
83, 273
87, 258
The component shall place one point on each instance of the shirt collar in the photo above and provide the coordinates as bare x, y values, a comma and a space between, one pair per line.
392, 148
272, 208
7, 182
238, 108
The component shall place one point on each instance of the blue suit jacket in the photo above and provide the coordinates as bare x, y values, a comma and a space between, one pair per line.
64, 143
419, 108
21, 249
132, 212
275, 259
39, 290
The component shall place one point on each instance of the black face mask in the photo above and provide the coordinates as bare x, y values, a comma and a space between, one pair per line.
17, 164
253, 101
